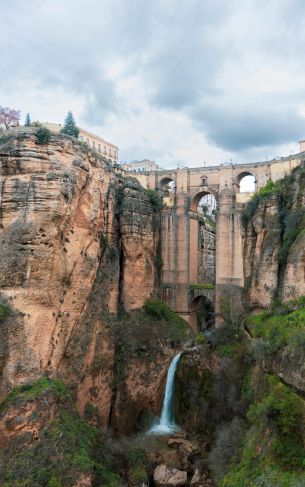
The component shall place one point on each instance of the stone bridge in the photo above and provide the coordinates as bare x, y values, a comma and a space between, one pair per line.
186, 275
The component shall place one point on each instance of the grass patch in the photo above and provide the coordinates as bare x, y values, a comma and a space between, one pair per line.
34, 390
202, 286
281, 327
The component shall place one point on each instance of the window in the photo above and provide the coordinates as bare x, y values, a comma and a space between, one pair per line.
115, 153
104, 149
88, 141
81, 138
110, 152
99, 147
93, 144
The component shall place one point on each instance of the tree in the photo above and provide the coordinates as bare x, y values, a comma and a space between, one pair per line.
43, 135
70, 127
27, 120
9, 117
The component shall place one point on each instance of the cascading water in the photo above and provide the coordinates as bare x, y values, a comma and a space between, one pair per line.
167, 423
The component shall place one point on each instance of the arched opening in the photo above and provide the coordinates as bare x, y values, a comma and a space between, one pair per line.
202, 313
205, 204
168, 186
246, 182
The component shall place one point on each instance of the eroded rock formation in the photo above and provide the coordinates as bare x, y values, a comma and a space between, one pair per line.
78, 244
274, 244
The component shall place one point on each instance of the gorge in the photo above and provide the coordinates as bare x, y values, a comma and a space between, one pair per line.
92, 264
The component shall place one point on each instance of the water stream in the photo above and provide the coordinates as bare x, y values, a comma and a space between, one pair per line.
167, 424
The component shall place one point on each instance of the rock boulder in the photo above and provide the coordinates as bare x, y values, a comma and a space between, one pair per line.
165, 476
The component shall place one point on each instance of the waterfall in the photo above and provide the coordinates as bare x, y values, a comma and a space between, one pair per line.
167, 422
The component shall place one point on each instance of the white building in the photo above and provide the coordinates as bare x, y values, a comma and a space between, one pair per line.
139, 166
108, 150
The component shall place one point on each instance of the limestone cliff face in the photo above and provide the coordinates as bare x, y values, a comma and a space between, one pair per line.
274, 244
262, 241
78, 242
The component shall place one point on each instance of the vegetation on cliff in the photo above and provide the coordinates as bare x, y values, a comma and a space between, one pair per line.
289, 192
280, 327
203, 286
273, 454
65, 448
43, 135
172, 327
4, 310
251, 419
34, 390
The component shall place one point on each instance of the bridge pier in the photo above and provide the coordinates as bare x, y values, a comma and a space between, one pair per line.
180, 233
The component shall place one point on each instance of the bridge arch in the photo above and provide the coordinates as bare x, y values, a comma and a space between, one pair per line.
246, 182
167, 184
202, 313
197, 197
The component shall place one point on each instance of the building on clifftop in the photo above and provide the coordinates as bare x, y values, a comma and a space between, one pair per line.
97, 143
138, 166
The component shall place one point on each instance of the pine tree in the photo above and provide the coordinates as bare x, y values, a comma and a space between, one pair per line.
70, 127
27, 120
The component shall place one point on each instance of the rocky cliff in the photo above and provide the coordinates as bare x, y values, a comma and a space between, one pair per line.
79, 244
274, 242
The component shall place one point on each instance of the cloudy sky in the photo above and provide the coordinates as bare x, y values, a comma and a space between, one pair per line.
182, 81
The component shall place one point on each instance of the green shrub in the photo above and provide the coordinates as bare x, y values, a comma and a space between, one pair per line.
6, 138
54, 482
138, 475
43, 135
269, 189
33, 390
155, 199
5, 310
200, 339
176, 328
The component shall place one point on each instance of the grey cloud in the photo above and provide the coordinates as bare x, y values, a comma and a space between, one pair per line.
237, 125
179, 49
